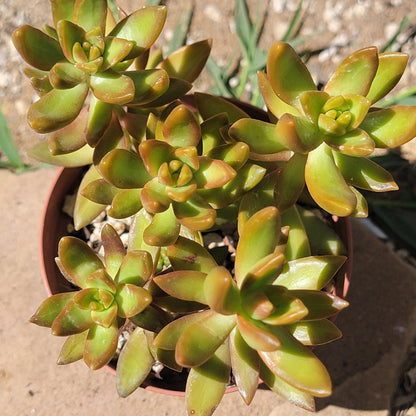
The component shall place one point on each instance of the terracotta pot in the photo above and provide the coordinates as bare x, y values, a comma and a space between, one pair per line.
56, 224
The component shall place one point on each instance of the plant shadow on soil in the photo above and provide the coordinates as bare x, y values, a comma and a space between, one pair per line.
377, 327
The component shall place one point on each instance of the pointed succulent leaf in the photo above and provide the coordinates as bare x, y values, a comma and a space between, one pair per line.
177, 88
62, 10
171, 304
287, 307
287, 74
251, 202
286, 390
297, 365
136, 268
326, 183
168, 337
181, 128
184, 284
36, 47
85, 210
116, 49
315, 332
248, 177
187, 254
290, 182
65, 75
221, 292
99, 118
71, 37
245, 364
195, 213
152, 319
355, 74
310, 273
70, 138
90, 14
276, 105
141, 27
125, 203
89, 299
308, 135
57, 108
257, 304
187, 62
131, 299
200, 340
259, 135
72, 320
264, 272
135, 242
209, 106
358, 108
134, 125
39, 80
110, 140
257, 334
233, 154
204, 392
100, 346
154, 197
210, 132
114, 250
297, 244
154, 154
259, 239
188, 155
361, 209
354, 143
78, 259
297, 134
391, 66
112, 87
134, 363
391, 127
73, 348
163, 230
181, 193
213, 173
124, 169
148, 84
322, 238
100, 192
100, 279
312, 103
51, 308
364, 173
167, 358
320, 304
106, 317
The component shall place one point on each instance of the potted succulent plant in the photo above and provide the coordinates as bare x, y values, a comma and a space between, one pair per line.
181, 168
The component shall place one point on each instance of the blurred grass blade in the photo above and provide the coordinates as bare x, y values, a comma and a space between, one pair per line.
243, 25
181, 31
404, 24
216, 73
294, 24
8, 147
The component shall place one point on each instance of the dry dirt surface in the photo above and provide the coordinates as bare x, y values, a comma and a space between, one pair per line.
331, 29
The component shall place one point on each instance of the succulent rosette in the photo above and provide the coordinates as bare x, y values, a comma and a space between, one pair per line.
111, 290
174, 175
259, 322
326, 135
88, 68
